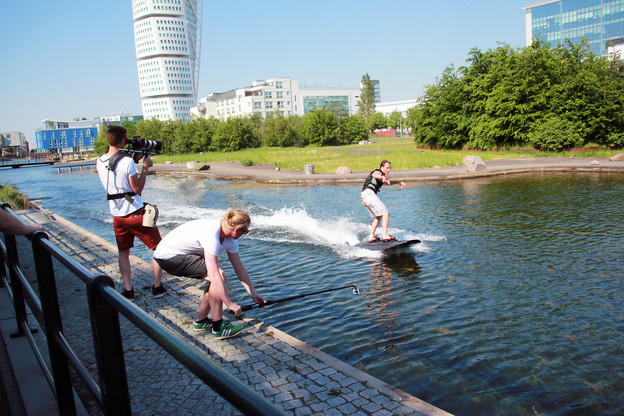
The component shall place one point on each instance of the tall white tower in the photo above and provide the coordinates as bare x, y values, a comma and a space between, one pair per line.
167, 37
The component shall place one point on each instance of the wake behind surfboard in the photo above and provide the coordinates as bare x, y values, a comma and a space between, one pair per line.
381, 245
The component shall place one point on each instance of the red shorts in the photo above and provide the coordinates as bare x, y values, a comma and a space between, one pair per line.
130, 226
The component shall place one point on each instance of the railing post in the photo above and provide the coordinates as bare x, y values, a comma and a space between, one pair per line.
53, 324
3, 264
108, 349
16, 286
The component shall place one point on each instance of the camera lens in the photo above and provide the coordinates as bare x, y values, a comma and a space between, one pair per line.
152, 144
139, 143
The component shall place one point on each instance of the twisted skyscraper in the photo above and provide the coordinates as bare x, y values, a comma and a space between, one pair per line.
167, 37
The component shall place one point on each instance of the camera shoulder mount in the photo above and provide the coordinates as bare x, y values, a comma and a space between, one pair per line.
114, 159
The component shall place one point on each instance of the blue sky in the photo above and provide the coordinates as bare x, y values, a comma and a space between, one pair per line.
63, 59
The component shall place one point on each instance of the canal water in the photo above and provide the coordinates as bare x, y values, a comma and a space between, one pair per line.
512, 304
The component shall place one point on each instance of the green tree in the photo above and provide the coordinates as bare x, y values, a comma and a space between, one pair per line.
151, 129
353, 129
438, 121
280, 131
235, 134
395, 119
319, 127
376, 121
367, 97
504, 95
101, 145
130, 127
194, 136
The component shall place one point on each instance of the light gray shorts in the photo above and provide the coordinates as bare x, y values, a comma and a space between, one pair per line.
372, 203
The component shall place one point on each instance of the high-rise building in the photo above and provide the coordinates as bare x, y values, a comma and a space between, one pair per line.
376, 90
167, 37
601, 22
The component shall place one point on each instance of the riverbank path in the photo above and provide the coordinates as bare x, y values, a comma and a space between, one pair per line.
297, 378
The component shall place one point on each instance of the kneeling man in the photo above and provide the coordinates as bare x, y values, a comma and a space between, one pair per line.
192, 250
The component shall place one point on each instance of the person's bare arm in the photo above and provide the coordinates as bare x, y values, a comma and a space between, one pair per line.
137, 182
244, 278
12, 225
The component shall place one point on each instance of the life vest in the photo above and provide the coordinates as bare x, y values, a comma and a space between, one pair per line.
373, 183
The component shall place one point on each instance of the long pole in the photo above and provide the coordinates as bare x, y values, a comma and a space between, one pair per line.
271, 302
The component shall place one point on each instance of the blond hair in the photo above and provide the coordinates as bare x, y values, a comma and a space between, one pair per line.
237, 218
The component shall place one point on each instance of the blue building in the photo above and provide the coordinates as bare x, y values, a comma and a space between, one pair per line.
61, 136
601, 22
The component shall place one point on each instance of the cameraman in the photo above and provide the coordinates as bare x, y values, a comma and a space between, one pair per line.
123, 185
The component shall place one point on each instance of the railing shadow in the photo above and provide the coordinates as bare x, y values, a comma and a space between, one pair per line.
112, 393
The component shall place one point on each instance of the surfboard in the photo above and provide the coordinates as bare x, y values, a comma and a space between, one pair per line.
386, 245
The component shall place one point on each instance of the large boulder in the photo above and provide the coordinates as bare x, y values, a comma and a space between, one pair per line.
343, 170
474, 163
617, 158
196, 165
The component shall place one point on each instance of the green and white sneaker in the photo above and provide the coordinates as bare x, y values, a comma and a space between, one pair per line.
227, 330
203, 325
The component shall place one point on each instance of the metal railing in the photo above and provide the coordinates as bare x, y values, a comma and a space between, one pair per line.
105, 304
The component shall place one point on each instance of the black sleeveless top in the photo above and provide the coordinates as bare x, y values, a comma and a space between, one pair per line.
373, 183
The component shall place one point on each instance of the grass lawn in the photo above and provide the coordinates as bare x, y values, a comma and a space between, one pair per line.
403, 153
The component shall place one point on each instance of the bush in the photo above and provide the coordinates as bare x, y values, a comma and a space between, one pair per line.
615, 140
280, 131
235, 134
319, 128
353, 129
10, 195
556, 134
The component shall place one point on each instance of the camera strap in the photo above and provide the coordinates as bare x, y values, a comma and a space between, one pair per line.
114, 159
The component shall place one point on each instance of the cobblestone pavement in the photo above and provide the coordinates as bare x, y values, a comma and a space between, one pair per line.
287, 372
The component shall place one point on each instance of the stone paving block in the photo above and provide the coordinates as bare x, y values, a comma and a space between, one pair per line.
320, 408
303, 411
369, 393
315, 388
277, 381
332, 412
295, 377
335, 401
301, 393
292, 404
347, 409
372, 407
381, 399
383, 412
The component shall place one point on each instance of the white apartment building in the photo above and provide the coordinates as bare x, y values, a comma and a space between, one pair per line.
167, 41
280, 95
12, 138
390, 107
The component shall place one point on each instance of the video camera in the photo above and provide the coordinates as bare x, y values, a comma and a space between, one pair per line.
141, 147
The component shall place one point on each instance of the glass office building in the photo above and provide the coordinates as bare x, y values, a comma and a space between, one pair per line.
339, 102
601, 22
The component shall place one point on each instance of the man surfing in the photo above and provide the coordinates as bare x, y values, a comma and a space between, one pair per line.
376, 208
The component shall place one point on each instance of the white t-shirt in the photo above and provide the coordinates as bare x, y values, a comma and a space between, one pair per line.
117, 182
193, 237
